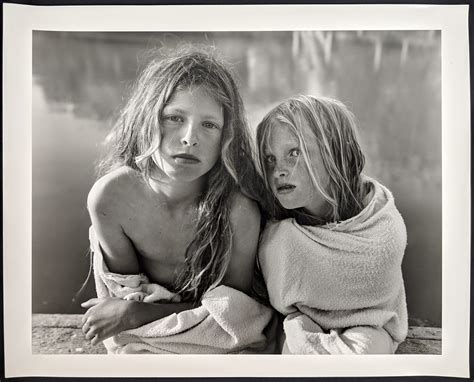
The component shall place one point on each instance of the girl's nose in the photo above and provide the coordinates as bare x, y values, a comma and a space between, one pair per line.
190, 137
280, 172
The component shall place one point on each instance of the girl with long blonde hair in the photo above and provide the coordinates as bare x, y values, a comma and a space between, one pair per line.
174, 197
331, 257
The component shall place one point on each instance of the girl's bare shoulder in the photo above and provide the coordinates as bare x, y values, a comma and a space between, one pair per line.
245, 214
114, 190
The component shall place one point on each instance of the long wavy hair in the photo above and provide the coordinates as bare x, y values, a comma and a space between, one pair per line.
136, 136
336, 135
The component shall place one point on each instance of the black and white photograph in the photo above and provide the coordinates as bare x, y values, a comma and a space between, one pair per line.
251, 191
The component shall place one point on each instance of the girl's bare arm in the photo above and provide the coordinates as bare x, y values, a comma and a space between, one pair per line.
245, 221
110, 316
107, 317
105, 204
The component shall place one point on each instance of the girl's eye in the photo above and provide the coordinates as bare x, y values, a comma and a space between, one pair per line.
173, 118
210, 125
269, 159
295, 153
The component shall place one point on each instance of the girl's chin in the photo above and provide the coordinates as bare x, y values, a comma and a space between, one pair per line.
183, 174
290, 204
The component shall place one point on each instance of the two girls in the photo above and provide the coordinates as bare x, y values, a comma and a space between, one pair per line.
175, 204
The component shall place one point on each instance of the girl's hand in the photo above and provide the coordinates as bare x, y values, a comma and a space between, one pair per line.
105, 318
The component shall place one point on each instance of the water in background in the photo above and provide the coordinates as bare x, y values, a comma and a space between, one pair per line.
390, 80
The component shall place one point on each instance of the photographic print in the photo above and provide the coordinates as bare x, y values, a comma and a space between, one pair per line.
245, 191
390, 80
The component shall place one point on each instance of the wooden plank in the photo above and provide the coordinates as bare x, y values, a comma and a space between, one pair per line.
425, 333
416, 346
57, 320
62, 334
49, 340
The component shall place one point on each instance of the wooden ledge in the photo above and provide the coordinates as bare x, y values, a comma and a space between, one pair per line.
62, 334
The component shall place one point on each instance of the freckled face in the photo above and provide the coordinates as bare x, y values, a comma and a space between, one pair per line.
191, 126
287, 173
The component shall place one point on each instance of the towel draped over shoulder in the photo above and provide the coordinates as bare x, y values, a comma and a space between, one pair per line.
340, 275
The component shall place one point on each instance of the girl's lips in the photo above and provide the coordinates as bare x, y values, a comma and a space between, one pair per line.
285, 189
186, 158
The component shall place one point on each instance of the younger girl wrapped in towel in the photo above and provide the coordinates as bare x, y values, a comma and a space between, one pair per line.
331, 256
174, 227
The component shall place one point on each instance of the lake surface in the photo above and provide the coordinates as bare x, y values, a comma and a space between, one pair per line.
390, 80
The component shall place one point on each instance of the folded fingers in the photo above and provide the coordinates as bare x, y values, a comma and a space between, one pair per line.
95, 340
90, 334
85, 324
89, 330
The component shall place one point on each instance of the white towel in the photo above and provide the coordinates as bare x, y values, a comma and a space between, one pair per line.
227, 321
338, 276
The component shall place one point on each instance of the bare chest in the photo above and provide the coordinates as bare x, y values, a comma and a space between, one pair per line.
160, 240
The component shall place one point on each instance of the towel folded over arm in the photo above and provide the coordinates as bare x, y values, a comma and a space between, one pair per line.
227, 321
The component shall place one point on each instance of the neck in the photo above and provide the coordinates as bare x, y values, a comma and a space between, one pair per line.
177, 194
319, 211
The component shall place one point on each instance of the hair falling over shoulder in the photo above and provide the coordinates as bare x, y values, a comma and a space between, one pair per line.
136, 137
336, 134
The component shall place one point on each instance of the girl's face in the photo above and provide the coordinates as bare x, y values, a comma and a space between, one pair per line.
287, 173
191, 128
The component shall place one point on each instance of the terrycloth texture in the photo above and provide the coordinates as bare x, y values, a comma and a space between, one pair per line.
304, 336
339, 276
227, 321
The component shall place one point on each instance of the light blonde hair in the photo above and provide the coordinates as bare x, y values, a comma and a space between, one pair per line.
336, 134
137, 135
